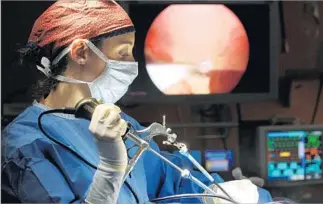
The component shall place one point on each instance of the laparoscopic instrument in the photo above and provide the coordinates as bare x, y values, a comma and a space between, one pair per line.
141, 138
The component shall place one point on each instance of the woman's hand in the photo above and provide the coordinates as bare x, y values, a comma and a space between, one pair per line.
108, 128
106, 123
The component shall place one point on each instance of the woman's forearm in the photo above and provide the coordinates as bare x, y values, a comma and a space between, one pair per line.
105, 186
108, 178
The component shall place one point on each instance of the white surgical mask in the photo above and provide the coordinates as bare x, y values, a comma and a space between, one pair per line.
111, 85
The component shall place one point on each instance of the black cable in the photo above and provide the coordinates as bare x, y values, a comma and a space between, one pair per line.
192, 195
129, 148
283, 33
130, 126
75, 199
66, 111
214, 111
238, 109
220, 187
226, 193
224, 142
318, 97
72, 111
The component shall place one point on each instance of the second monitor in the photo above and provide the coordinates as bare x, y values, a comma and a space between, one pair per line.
290, 155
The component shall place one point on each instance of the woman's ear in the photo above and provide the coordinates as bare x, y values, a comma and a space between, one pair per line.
79, 52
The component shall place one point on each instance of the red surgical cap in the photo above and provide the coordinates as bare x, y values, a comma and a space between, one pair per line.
67, 20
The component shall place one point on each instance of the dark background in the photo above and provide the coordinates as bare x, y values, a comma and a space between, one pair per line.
17, 19
17, 22
304, 53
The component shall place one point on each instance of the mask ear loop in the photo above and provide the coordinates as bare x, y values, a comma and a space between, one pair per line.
46, 66
63, 78
97, 51
91, 46
46, 70
62, 54
67, 50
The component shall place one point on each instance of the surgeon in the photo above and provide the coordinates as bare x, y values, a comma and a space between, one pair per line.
84, 49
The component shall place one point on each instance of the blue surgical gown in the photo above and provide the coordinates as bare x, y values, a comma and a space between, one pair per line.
35, 169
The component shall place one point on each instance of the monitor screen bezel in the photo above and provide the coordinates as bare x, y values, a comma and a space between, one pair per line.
275, 40
262, 144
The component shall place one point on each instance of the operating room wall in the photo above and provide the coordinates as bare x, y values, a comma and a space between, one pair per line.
302, 54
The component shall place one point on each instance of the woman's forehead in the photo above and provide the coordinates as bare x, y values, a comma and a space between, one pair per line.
127, 38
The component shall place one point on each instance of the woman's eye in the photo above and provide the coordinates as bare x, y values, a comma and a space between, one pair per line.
124, 54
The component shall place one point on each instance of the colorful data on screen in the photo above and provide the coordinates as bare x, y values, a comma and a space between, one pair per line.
294, 155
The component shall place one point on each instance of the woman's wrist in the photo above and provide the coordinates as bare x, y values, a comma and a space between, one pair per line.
113, 155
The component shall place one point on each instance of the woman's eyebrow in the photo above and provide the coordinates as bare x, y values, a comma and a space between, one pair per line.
127, 41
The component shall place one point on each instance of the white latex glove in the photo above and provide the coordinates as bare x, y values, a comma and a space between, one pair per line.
106, 123
108, 128
242, 191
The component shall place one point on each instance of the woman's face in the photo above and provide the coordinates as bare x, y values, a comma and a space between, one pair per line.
91, 66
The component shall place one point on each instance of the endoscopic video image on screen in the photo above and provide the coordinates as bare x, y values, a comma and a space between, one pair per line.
200, 49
